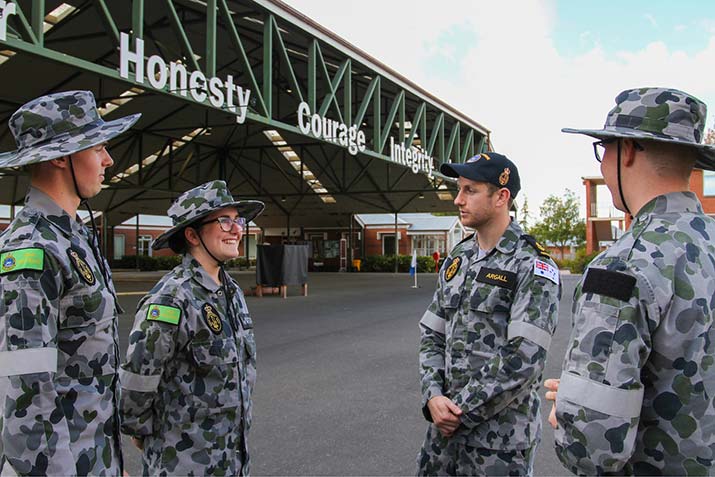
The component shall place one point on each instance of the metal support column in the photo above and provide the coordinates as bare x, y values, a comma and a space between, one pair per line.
397, 244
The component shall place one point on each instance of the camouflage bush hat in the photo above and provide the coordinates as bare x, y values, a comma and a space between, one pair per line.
196, 203
59, 124
658, 114
490, 167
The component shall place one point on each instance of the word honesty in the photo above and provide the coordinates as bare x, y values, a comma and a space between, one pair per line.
220, 93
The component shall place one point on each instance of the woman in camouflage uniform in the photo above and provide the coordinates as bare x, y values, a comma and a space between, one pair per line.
190, 367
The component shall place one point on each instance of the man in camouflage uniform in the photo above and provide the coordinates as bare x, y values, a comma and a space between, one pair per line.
191, 363
638, 382
486, 333
58, 313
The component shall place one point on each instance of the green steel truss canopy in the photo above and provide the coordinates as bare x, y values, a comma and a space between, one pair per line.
252, 92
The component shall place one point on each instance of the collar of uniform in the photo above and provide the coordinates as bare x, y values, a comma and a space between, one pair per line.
38, 200
674, 202
510, 237
198, 273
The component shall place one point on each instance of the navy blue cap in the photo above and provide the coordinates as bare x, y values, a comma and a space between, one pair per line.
490, 167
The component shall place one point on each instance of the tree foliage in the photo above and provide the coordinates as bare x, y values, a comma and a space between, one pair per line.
560, 224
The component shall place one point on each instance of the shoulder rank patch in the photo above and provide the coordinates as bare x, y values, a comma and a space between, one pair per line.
540, 249
451, 270
546, 270
616, 285
212, 318
500, 278
166, 314
22, 259
81, 266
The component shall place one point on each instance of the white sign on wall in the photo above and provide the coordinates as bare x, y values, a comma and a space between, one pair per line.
220, 93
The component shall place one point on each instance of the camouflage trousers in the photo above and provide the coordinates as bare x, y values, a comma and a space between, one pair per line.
442, 456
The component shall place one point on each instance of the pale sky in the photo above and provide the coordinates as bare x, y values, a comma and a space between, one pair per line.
527, 68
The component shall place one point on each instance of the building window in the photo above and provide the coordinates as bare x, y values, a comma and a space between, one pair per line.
708, 183
119, 246
426, 245
144, 245
388, 244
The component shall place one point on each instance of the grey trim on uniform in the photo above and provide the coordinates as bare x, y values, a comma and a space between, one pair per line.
625, 403
138, 382
28, 361
530, 332
433, 322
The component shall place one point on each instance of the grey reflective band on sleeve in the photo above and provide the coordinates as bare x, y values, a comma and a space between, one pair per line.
530, 332
433, 322
137, 382
625, 403
28, 361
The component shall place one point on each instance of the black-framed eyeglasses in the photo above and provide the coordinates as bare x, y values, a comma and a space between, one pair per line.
226, 223
600, 146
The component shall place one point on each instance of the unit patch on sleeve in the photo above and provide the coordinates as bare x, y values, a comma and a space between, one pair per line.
166, 314
212, 318
546, 270
81, 266
22, 259
500, 278
617, 285
452, 268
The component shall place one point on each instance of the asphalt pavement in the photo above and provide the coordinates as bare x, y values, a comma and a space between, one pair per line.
338, 389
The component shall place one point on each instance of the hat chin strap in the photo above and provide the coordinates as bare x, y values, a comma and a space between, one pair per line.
95, 247
223, 276
620, 187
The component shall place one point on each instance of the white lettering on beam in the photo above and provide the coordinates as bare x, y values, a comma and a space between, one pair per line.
219, 93
6, 9
330, 130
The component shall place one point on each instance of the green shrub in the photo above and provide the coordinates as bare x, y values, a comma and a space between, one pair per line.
582, 259
146, 264
386, 264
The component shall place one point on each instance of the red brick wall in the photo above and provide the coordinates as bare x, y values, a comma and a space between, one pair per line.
373, 246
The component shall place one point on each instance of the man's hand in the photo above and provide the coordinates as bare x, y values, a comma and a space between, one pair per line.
138, 442
445, 415
553, 387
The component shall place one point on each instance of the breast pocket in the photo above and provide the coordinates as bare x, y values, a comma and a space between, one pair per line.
489, 309
215, 384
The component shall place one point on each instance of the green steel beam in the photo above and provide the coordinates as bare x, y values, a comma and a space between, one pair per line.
109, 25
25, 25
176, 25
286, 59
348, 95
468, 145
437, 130
238, 44
369, 93
332, 84
416, 122
137, 19
398, 103
268, 63
377, 115
312, 73
452, 137
38, 21
211, 16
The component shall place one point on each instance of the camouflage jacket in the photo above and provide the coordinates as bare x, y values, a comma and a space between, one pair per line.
58, 347
485, 337
189, 375
638, 382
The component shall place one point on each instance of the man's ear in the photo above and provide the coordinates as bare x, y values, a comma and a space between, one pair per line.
628, 152
61, 162
504, 196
